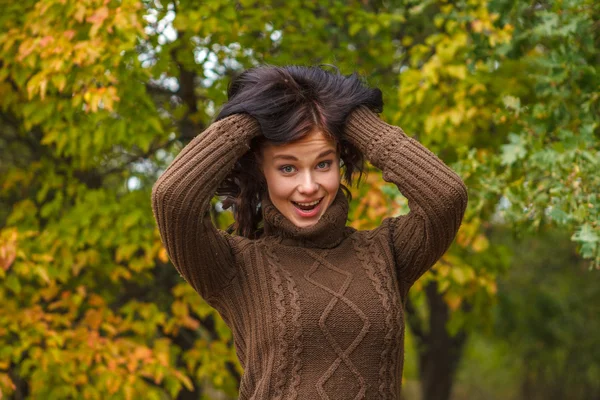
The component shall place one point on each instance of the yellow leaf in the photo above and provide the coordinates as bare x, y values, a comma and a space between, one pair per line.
162, 255
98, 17
159, 377
132, 365
93, 319
459, 276
42, 273
480, 243
8, 250
455, 116
185, 380
95, 300
25, 49
492, 287
190, 323
443, 285
142, 353
179, 308
163, 358
453, 300
457, 71
128, 392
443, 270
6, 382
59, 82
476, 88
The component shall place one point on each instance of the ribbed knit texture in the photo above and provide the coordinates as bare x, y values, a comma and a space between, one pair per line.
317, 312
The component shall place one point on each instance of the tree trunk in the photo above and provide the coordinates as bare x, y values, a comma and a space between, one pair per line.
439, 353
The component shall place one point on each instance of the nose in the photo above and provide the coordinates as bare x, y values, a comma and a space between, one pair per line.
308, 185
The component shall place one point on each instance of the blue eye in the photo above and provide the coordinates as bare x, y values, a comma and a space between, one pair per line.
324, 164
287, 169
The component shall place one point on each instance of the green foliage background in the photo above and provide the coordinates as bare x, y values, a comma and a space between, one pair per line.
97, 96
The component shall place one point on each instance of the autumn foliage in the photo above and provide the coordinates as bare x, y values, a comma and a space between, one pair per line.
98, 96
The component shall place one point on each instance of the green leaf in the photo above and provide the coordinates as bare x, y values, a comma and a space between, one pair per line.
585, 233
559, 215
13, 283
513, 151
354, 28
511, 102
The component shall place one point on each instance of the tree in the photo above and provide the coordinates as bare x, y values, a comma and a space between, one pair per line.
545, 314
97, 96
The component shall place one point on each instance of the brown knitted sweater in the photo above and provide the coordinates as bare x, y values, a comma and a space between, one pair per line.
317, 312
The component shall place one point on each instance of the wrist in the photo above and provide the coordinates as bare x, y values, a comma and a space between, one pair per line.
363, 128
245, 124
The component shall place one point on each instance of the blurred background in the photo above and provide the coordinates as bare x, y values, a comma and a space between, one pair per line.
98, 96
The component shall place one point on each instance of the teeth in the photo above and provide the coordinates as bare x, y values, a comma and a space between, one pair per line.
308, 204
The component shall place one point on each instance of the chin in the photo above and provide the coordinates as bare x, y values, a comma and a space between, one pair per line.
302, 222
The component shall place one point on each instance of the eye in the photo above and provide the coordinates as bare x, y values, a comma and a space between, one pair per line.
287, 169
324, 164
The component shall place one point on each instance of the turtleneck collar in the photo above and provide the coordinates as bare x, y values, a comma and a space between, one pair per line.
328, 232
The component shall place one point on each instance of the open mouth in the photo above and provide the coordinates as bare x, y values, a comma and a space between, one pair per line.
308, 206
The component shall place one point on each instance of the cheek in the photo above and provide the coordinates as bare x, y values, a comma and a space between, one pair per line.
332, 180
333, 184
278, 186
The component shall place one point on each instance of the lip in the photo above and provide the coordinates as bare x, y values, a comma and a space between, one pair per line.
310, 213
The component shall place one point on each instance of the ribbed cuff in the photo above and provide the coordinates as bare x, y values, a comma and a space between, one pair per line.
244, 123
370, 133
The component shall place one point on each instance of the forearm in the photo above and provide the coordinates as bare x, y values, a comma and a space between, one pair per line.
181, 198
434, 191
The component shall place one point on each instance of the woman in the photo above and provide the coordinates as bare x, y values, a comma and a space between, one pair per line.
315, 306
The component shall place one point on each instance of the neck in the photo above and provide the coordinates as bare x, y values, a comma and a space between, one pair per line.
328, 232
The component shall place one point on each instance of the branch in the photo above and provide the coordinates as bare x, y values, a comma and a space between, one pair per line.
186, 91
155, 89
154, 147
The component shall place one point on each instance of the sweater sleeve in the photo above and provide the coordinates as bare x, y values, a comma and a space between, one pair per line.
436, 195
181, 197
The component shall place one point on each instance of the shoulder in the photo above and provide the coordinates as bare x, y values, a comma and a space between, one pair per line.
381, 232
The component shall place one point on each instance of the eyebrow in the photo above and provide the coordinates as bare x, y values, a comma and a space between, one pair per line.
290, 157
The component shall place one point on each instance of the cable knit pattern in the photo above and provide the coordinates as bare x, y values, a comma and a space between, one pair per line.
342, 354
280, 320
297, 341
317, 312
384, 295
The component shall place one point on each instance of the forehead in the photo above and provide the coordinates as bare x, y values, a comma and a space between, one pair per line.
311, 144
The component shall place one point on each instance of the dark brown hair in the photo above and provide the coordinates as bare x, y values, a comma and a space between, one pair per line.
288, 102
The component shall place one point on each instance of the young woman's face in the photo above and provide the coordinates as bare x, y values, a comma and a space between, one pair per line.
302, 177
